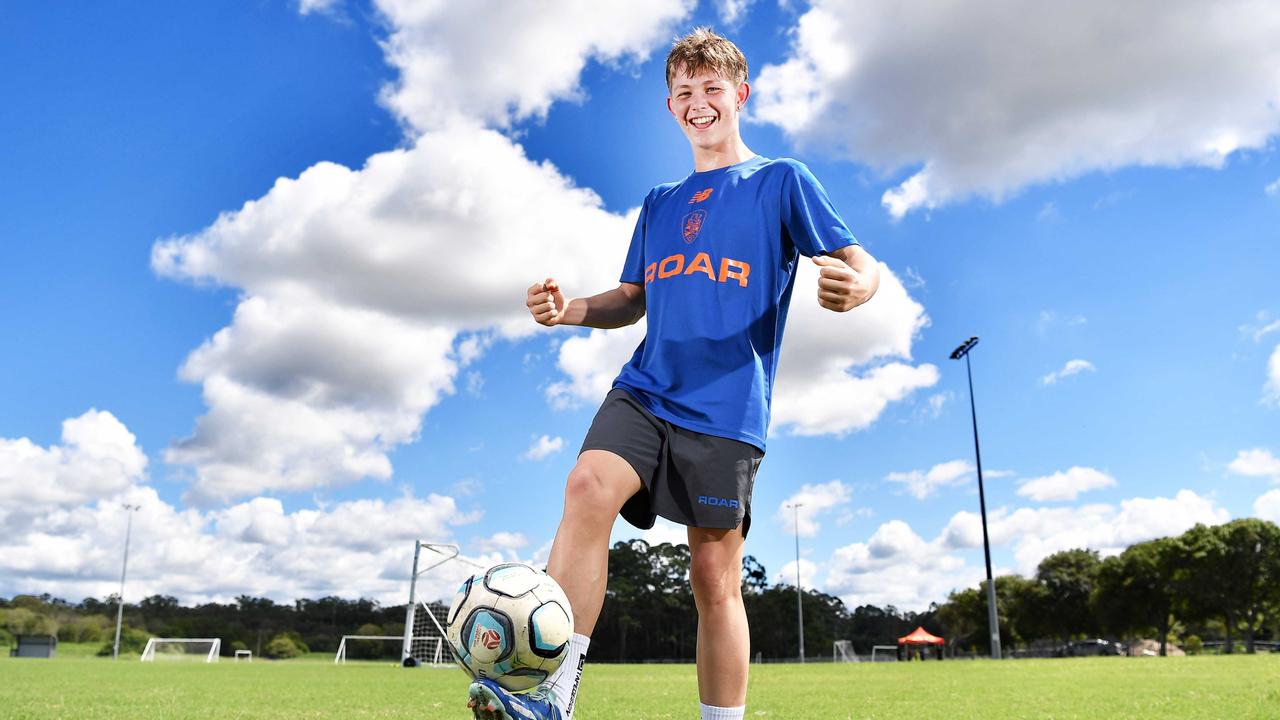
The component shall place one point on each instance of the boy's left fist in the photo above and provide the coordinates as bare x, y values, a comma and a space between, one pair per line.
839, 288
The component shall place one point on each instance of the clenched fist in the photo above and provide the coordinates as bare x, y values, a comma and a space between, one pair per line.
546, 302
839, 288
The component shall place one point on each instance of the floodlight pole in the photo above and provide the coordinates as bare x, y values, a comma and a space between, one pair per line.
799, 595
993, 620
124, 567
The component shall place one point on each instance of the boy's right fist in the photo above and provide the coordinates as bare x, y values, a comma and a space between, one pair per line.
546, 302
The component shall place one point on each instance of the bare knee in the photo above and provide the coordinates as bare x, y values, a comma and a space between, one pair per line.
597, 491
716, 578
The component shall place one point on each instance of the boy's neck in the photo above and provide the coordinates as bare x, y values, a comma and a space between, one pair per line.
732, 153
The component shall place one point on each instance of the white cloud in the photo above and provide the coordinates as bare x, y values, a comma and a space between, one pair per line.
1257, 462
1065, 485
98, 458
895, 566
809, 572
839, 371
591, 362
1267, 506
936, 402
542, 447
1262, 328
362, 548
363, 294
507, 543
948, 96
497, 61
663, 531
1271, 390
1036, 533
815, 500
923, 483
732, 12
1273, 188
306, 7
1073, 367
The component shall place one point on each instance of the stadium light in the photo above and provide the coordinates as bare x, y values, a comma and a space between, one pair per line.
799, 602
993, 621
115, 646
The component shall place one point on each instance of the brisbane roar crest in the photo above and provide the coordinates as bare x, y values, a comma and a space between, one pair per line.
691, 226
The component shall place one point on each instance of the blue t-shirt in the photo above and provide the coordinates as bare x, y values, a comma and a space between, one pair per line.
717, 254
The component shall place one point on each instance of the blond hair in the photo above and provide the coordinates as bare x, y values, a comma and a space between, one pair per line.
703, 49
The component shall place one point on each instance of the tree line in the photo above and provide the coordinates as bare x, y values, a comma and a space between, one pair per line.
1211, 582
1218, 582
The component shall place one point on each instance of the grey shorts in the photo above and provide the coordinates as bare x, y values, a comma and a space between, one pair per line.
689, 478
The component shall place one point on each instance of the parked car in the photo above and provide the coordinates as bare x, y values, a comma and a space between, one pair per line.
1091, 647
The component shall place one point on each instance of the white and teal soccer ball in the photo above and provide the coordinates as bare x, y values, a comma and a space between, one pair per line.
512, 624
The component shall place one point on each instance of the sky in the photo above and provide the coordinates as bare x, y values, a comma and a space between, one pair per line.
264, 264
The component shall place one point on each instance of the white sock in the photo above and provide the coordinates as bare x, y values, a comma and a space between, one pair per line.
711, 712
565, 679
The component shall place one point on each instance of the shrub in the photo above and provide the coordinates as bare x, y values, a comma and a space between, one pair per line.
285, 646
89, 629
132, 641
1193, 645
22, 621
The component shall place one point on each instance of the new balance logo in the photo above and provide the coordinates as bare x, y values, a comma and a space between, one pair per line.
700, 196
718, 502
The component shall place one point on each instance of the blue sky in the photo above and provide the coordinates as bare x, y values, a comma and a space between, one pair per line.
280, 252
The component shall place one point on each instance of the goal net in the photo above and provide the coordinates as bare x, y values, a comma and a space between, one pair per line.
842, 652
884, 652
386, 647
205, 649
424, 643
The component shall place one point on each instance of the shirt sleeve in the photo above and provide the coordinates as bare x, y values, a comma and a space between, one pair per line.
811, 221
633, 268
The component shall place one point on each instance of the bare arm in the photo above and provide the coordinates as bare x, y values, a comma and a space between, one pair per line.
849, 278
621, 306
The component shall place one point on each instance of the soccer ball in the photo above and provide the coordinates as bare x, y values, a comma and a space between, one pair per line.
511, 624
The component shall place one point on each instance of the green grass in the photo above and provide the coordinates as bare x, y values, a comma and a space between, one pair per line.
1234, 687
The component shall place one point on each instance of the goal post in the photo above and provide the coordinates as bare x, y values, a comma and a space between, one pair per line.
842, 652
433, 643
182, 649
247, 655
423, 640
884, 650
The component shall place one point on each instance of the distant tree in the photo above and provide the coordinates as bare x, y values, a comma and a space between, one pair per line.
1201, 592
1067, 579
1135, 590
754, 577
869, 625
1026, 606
964, 618
1240, 572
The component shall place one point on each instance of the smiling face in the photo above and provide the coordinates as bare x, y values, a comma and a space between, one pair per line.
707, 107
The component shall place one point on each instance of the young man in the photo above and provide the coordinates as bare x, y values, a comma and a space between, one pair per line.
712, 263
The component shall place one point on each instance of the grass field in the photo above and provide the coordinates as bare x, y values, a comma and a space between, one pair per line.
74, 686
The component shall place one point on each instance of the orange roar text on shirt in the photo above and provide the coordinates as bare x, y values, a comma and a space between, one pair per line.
678, 264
